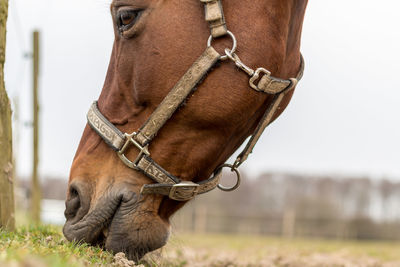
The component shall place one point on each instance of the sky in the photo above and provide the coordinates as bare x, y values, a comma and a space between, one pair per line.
343, 118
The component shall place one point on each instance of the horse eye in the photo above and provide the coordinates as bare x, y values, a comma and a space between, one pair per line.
127, 18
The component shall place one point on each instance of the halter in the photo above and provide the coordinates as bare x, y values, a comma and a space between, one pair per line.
166, 183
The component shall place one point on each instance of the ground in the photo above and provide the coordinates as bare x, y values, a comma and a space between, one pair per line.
45, 246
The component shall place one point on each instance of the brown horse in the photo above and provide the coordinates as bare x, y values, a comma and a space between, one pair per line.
156, 41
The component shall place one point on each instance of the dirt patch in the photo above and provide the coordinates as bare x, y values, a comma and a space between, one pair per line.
206, 258
120, 260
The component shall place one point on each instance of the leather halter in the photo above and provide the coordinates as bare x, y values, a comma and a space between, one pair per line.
166, 183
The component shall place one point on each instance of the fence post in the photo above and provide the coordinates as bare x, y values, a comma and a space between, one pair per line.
200, 224
7, 217
36, 191
289, 223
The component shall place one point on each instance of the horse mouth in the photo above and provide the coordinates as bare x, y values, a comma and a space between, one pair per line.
101, 239
119, 223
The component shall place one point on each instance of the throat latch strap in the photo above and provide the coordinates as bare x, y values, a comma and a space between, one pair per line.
267, 84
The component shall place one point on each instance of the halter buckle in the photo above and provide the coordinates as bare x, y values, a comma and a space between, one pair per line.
184, 191
256, 75
143, 150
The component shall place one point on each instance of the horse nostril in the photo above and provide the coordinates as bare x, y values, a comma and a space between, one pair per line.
73, 204
78, 201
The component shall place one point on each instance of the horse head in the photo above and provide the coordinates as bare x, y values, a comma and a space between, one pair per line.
156, 42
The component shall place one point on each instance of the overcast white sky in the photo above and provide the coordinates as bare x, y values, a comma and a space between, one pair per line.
343, 119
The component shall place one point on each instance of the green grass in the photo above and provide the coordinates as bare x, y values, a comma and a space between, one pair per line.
46, 246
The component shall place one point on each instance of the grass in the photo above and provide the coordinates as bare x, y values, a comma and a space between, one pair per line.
256, 247
46, 246
381, 250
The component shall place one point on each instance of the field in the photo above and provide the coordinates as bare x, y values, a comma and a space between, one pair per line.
45, 246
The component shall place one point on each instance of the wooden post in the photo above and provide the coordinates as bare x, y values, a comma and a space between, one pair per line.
289, 223
200, 224
7, 217
36, 191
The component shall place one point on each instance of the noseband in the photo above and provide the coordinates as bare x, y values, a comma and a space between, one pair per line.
166, 183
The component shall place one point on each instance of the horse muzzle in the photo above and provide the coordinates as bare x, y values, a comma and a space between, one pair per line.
118, 220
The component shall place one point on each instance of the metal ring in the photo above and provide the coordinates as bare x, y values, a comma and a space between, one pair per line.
233, 169
234, 46
228, 53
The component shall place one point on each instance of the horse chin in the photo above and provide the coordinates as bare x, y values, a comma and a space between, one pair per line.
134, 238
119, 222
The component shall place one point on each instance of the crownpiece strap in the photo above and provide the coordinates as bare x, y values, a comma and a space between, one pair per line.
215, 17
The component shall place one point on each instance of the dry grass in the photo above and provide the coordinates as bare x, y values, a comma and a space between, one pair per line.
236, 250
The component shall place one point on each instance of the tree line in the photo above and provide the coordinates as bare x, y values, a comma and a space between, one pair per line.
300, 205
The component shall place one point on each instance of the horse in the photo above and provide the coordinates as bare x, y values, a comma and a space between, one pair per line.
123, 200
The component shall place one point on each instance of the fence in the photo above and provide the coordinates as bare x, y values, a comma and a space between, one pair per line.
201, 219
